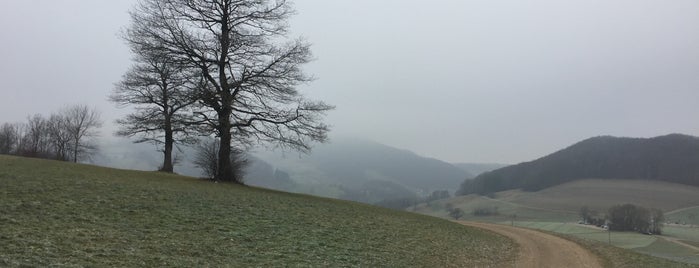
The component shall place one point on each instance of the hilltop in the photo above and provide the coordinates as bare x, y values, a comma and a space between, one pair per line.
58, 213
671, 158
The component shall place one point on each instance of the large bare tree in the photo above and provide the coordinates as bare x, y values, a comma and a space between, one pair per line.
250, 68
161, 91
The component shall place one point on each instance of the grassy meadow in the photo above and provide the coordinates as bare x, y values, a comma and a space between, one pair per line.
56, 213
685, 216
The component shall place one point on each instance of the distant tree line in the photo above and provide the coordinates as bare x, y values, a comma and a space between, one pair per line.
485, 211
67, 135
406, 202
672, 158
627, 217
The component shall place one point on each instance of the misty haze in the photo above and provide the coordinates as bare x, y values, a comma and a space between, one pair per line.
266, 133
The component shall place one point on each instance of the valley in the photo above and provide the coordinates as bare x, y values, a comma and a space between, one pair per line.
557, 210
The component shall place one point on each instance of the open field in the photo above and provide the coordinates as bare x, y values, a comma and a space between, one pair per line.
56, 213
615, 257
506, 211
601, 194
685, 216
556, 209
657, 246
627, 240
562, 203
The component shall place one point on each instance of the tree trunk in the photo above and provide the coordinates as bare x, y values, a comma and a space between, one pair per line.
167, 157
225, 169
75, 151
167, 128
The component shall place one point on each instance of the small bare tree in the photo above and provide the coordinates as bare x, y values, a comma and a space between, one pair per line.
81, 123
456, 213
161, 91
206, 158
251, 78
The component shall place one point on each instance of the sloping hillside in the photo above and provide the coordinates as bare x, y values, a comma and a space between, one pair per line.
563, 202
598, 194
63, 214
671, 158
367, 171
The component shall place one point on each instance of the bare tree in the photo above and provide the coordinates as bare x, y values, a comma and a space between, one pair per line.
60, 137
456, 213
35, 141
206, 158
82, 123
8, 138
161, 91
251, 79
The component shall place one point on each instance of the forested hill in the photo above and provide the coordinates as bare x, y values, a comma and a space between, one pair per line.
366, 171
672, 158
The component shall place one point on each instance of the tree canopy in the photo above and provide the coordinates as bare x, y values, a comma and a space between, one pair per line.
249, 68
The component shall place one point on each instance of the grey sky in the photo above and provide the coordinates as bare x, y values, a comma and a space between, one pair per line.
479, 81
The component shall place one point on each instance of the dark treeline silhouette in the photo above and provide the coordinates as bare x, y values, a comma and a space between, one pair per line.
486, 211
629, 217
66, 135
671, 158
626, 217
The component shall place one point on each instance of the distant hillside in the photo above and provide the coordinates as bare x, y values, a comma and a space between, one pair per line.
122, 153
261, 174
671, 158
366, 171
349, 169
475, 169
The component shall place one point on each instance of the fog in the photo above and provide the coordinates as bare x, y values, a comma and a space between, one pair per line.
461, 81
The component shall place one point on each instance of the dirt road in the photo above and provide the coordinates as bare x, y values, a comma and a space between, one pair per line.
539, 249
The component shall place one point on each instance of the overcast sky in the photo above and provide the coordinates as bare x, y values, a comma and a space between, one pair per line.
462, 81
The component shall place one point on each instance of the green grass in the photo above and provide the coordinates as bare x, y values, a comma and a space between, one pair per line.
600, 194
563, 202
686, 216
505, 209
627, 240
685, 233
55, 213
615, 257
666, 249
